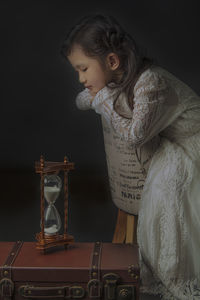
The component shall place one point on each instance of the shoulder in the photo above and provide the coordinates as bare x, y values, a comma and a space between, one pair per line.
150, 80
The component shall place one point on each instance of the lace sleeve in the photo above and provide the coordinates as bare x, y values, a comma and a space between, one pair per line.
83, 100
155, 103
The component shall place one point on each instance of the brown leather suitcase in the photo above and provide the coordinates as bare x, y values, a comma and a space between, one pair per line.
82, 271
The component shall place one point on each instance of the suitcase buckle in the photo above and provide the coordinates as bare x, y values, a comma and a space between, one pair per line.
6, 287
111, 280
94, 288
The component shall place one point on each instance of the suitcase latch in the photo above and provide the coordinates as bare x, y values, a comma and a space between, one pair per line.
111, 280
125, 292
76, 292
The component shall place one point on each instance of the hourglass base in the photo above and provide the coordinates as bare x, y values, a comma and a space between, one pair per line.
51, 241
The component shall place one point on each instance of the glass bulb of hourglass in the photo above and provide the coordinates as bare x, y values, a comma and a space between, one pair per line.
52, 188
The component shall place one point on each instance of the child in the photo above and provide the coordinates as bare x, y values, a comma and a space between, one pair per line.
145, 107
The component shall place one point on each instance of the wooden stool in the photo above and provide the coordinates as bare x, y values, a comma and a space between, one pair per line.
126, 228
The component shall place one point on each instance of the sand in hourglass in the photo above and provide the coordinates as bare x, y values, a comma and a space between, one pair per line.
52, 225
51, 193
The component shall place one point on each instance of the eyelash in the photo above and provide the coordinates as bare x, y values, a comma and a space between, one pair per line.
84, 70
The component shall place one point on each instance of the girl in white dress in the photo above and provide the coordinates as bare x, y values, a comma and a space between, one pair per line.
142, 102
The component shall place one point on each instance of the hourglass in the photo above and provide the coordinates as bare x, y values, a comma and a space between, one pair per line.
52, 188
51, 185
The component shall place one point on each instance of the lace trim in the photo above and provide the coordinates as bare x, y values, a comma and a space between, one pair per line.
179, 290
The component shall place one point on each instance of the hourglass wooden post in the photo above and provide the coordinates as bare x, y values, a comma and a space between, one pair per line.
49, 236
66, 197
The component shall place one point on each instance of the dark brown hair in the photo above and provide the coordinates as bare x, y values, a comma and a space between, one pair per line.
98, 35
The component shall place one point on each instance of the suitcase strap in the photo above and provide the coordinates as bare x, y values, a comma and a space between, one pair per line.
6, 283
94, 285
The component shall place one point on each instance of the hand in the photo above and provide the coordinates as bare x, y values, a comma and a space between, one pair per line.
92, 93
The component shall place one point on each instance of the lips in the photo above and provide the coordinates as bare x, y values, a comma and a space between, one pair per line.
88, 87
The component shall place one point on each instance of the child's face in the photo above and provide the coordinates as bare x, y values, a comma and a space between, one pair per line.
91, 72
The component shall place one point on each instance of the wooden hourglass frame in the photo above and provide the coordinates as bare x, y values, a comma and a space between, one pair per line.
53, 168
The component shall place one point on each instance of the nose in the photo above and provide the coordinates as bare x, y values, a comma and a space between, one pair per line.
82, 78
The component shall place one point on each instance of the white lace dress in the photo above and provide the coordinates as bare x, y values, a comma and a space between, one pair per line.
169, 214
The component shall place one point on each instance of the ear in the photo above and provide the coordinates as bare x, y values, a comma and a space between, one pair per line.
113, 61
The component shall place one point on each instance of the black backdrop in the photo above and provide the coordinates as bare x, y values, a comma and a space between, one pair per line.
38, 113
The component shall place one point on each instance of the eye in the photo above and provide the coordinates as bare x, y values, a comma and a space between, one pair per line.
84, 70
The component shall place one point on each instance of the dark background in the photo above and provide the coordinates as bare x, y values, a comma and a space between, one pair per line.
38, 112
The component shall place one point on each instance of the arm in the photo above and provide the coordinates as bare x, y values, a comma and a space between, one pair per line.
84, 99
155, 106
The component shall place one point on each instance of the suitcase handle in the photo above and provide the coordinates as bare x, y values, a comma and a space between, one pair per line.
28, 291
